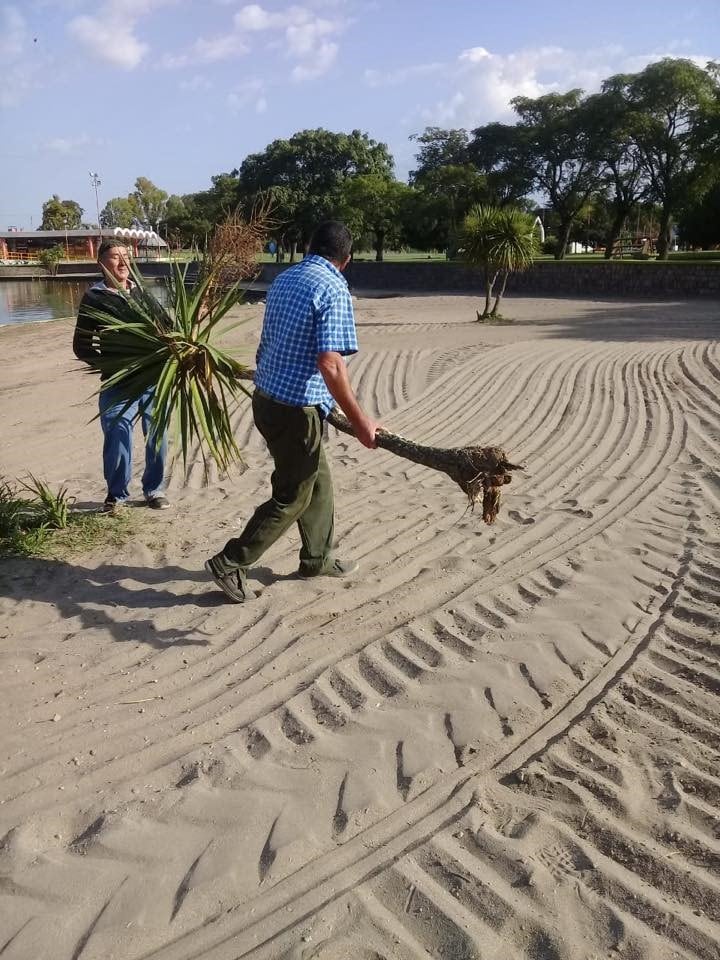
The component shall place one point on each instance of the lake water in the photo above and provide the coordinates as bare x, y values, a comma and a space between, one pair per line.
25, 301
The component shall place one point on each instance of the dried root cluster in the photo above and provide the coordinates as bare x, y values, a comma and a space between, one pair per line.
478, 471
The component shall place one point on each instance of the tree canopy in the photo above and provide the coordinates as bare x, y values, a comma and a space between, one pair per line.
643, 150
668, 104
303, 177
60, 214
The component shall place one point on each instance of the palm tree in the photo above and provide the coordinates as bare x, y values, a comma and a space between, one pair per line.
501, 241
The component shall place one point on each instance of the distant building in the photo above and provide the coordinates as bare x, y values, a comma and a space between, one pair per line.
78, 244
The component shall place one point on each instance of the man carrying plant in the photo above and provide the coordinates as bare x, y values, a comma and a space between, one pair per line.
308, 329
117, 417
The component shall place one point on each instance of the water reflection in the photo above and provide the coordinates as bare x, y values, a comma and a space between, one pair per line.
24, 301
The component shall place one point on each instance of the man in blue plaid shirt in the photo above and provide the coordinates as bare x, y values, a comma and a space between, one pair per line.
308, 329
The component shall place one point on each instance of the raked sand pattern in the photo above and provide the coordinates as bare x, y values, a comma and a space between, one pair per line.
491, 742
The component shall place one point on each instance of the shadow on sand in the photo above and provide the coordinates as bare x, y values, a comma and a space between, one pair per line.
615, 321
92, 594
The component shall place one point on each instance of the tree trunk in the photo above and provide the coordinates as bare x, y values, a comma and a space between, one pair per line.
501, 294
663, 243
563, 240
293, 249
489, 283
379, 246
478, 471
613, 234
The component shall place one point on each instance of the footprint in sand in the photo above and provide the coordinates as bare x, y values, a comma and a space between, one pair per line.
573, 507
519, 518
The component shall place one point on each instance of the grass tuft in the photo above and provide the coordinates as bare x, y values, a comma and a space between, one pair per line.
37, 522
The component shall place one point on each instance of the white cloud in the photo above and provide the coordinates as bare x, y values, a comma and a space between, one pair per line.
254, 17
249, 95
110, 34
316, 66
195, 83
300, 34
204, 50
303, 35
69, 145
303, 38
112, 41
482, 84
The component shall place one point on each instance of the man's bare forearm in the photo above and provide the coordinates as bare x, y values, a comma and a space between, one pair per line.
334, 372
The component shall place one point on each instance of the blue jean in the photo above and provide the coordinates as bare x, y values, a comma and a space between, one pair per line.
117, 426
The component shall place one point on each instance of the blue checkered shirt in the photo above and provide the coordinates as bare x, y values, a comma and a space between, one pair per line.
308, 311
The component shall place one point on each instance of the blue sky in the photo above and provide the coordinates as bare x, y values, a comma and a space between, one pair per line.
178, 90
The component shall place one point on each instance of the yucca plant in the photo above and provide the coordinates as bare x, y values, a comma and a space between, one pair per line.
173, 351
53, 508
501, 241
25, 520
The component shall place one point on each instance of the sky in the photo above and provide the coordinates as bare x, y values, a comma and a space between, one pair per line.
180, 90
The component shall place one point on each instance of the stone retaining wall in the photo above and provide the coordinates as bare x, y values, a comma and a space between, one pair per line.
547, 278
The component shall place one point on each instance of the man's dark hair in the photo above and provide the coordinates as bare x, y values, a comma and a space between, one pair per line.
108, 245
331, 240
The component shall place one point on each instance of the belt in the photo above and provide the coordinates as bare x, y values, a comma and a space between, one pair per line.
293, 406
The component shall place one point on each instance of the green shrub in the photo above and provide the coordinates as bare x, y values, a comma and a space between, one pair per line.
35, 521
51, 257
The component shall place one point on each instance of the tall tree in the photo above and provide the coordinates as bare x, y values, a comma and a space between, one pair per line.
562, 154
452, 189
119, 212
699, 222
303, 176
150, 202
371, 204
60, 214
612, 124
447, 179
423, 221
670, 101
501, 151
439, 148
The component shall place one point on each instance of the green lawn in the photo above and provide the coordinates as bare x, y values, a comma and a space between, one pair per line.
436, 256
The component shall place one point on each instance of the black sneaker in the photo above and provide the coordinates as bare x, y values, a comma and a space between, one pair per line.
233, 584
157, 502
113, 506
331, 568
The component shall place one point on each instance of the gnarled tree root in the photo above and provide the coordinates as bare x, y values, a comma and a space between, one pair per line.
476, 470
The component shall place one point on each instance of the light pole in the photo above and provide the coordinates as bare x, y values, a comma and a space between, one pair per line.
96, 181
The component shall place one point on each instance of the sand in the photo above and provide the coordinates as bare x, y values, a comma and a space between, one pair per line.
490, 742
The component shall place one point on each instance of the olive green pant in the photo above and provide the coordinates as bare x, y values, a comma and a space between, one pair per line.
302, 490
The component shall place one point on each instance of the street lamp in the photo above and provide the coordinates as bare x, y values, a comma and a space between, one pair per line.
96, 181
